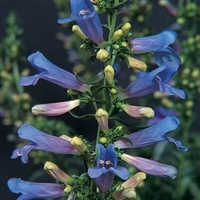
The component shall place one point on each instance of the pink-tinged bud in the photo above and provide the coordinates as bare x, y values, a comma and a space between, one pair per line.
109, 74
54, 109
127, 188
134, 180
57, 173
136, 64
102, 119
78, 143
102, 55
138, 111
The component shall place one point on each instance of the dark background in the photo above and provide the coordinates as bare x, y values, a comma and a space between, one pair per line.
39, 20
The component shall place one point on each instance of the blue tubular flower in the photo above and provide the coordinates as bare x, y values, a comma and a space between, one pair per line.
86, 17
31, 190
159, 45
150, 166
157, 79
151, 135
50, 72
106, 168
41, 141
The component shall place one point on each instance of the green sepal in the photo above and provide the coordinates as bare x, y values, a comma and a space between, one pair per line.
98, 77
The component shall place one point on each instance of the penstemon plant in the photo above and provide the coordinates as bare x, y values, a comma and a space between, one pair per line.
106, 160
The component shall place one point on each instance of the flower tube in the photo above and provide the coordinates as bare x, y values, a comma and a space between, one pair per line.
41, 141
50, 72
85, 15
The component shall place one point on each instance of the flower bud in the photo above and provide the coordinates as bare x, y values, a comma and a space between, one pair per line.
124, 44
102, 55
136, 64
126, 28
195, 73
68, 189
76, 29
137, 111
102, 119
116, 46
117, 35
129, 193
113, 91
78, 143
147, 112
127, 188
57, 173
109, 74
54, 109
103, 140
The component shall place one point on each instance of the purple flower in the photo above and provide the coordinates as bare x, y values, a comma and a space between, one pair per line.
157, 79
31, 190
50, 72
54, 109
106, 168
83, 12
41, 141
159, 45
161, 113
150, 166
151, 135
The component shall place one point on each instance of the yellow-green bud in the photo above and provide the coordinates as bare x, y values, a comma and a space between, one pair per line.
124, 44
189, 104
116, 46
68, 189
102, 118
102, 55
109, 74
103, 140
113, 91
185, 72
76, 29
57, 173
78, 144
136, 64
166, 102
181, 20
83, 46
126, 28
195, 73
147, 112
117, 35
